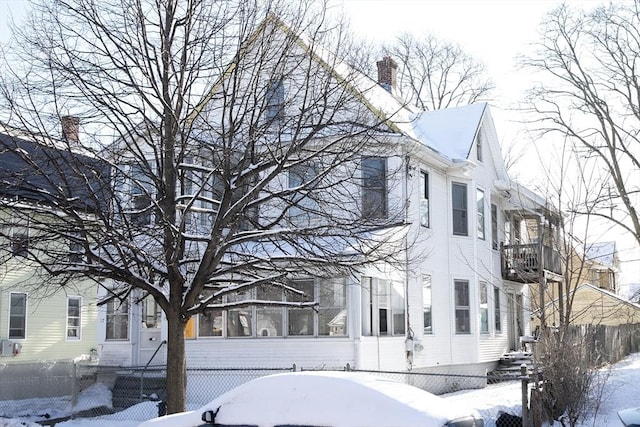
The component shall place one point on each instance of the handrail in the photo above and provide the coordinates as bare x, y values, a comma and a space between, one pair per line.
163, 342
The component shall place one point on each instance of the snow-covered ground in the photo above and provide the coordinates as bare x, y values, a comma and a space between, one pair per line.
622, 390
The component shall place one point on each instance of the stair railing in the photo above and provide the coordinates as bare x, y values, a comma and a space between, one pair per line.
163, 342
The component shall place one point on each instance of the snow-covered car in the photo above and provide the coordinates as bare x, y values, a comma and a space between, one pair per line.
329, 399
630, 417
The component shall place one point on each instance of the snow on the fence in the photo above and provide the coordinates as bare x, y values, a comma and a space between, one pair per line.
622, 391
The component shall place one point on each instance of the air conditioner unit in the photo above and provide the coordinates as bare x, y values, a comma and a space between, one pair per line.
6, 348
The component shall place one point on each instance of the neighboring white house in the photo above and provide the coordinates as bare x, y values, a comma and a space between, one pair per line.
449, 308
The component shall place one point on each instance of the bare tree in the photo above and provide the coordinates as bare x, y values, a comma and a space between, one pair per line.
435, 74
239, 155
589, 93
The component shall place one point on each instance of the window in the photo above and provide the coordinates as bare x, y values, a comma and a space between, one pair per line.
374, 187
462, 309
484, 309
459, 208
141, 194
210, 323
496, 309
384, 313
269, 319
73, 317
332, 309
151, 313
20, 244
480, 207
494, 226
275, 101
18, 316
240, 320
479, 146
304, 207
117, 320
424, 199
327, 318
76, 254
301, 320
426, 304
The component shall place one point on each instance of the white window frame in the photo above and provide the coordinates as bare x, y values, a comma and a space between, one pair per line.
117, 313
480, 216
374, 187
304, 207
248, 316
497, 310
69, 317
462, 306
23, 335
427, 304
484, 308
381, 309
424, 199
462, 211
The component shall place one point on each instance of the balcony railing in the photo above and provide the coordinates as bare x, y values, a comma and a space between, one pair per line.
522, 262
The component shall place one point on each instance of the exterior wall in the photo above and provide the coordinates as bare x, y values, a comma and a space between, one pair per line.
305, 353
433, 251
46, 322
592, 306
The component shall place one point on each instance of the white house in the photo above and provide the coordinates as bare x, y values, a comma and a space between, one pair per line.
455, 304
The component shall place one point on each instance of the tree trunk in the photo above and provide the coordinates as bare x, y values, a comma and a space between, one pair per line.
176, 364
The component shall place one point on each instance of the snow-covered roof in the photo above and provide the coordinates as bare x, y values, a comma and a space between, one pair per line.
451, 131
602, 253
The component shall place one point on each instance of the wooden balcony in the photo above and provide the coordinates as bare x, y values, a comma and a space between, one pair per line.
524, 263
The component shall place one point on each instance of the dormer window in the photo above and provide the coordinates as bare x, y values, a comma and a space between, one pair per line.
275, 101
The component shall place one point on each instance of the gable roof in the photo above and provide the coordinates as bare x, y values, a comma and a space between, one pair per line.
448, 132
452, 131
35, 172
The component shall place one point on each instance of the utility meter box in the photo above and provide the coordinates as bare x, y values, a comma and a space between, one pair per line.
6, 348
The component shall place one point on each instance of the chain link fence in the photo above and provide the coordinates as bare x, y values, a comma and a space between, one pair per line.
138, 393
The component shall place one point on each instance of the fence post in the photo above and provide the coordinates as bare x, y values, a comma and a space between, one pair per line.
74, 384
524, 378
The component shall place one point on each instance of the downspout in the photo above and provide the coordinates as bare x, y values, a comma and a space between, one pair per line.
409, 344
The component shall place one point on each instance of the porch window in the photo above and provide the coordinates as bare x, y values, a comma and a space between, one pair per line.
374, 187
74, 305
459, 209
480, 213
301, 320
496, 309
117, 320
424, 199
384, 311
426, 304
17, 315
462, 308
332, 310
484, 309
269, 319
240, 320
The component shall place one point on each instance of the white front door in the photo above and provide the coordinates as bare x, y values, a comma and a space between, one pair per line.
150, 335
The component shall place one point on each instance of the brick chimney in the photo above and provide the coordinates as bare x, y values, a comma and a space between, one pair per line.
387, 71
70, 128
